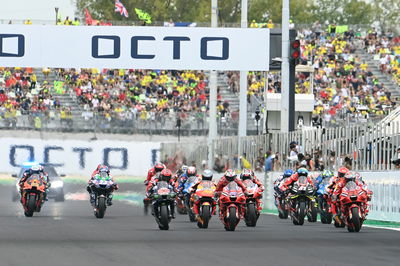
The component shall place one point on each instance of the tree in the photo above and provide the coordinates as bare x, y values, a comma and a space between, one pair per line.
387, 13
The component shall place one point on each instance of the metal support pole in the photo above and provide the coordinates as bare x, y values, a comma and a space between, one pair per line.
212, 128
285, 95
243, 89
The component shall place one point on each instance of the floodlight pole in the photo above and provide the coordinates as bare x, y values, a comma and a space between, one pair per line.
212, 128
285, 68
243, 90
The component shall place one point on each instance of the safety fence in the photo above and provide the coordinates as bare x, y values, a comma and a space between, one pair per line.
360, 147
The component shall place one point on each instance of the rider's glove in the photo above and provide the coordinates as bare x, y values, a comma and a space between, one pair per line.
146, 182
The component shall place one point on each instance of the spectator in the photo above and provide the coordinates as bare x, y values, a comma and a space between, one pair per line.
396, 158
269, 160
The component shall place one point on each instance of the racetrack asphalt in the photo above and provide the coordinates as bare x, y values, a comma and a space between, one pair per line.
67, 233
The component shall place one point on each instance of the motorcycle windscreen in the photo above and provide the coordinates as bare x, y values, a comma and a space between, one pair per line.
351, 186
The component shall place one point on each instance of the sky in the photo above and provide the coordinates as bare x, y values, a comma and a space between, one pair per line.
35, 9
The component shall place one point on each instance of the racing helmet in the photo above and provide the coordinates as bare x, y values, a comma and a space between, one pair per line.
158, 167
165, 175
327, 174
288, 173
302, 172
36, 169
350, 176
184, 168
342, 171
207, 175
246, 174
230, 175
105, 169
191, 171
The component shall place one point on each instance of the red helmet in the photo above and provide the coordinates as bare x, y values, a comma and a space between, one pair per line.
159, 167
191, 171
230, 175
246, 174
165, 175
342, 171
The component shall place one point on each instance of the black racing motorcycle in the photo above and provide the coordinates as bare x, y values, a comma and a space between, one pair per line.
302, 202
163, 200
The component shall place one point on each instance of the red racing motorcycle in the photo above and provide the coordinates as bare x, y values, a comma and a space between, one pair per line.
251, 207
231, 202
353, 202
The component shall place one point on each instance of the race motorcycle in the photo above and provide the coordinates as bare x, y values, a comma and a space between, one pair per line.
323, 204
179, 200
232, 200
162, 198
353, 202
251, 209
101, 188
33, 194
186, 195
302, 202
204, 199
282, 206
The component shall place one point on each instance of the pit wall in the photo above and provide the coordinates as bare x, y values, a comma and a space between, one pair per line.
385, 203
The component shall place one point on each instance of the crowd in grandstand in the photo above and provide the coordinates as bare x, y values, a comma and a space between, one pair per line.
126, 95
386, 49
343, 84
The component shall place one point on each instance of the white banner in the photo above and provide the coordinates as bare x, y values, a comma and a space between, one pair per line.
79, 157
180, 48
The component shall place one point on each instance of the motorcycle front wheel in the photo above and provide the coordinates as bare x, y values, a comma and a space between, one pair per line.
164, 218
205, 216
355, 219
251, 215
301, 212
31, 206
231, 220
100, 208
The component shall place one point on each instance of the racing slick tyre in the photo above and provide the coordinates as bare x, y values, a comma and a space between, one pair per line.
301, 212
204, 216
164, 220
355, 219
251, 215
101, 208
231, 220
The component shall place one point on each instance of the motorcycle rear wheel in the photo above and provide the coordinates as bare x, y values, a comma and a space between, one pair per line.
251, 215
164, 219
312, 217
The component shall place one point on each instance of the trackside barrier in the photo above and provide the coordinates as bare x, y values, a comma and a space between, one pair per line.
369, 147
385, 203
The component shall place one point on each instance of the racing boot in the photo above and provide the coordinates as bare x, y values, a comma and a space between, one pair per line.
92, 198
109, 200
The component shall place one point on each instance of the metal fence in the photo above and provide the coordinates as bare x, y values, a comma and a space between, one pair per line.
360, 147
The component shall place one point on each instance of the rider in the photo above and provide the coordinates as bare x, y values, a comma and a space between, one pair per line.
180, 171
249, 174
35, 169
165, 175
342, 171
288, 173
101, 169
326, 174
207, 175
158, 167
289, 181
338, 190
191, 171
229, 176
